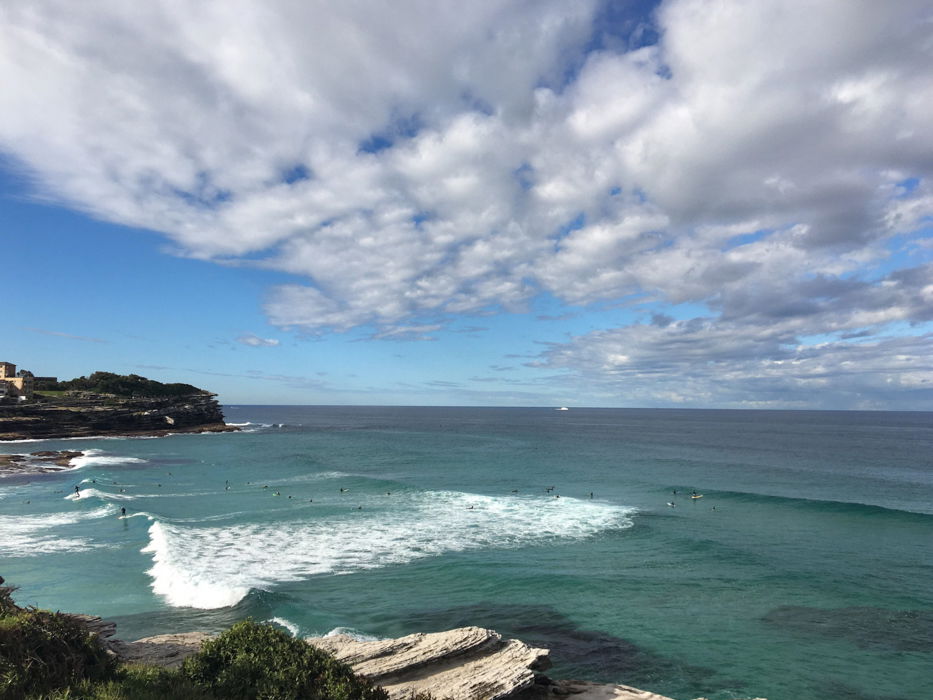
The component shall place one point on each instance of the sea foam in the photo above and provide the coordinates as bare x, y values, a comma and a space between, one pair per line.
213, 567
31, 535
98, 458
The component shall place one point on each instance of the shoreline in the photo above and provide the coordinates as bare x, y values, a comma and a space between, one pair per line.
102, 415
466, 663
148, 433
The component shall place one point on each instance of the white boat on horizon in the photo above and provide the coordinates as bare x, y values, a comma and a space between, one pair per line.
562, 408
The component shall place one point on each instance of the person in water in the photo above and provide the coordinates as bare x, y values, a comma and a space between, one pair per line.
122, 512
77, 491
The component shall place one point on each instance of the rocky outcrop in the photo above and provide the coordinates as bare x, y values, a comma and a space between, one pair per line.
109, 415
167, 650
37, 462
469, 663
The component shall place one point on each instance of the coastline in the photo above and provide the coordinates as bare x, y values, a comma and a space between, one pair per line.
108, 416
466, 663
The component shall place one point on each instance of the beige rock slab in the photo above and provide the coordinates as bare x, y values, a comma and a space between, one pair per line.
469, 663
167, 650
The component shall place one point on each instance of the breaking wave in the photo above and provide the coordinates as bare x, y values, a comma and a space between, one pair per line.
31, 535
213, 567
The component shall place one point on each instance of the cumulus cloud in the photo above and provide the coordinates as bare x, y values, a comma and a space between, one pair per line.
257, 342
420, 160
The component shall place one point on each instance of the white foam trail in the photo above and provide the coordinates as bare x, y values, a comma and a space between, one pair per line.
95, 493
98, 458
282, 622
213, 567
30, 535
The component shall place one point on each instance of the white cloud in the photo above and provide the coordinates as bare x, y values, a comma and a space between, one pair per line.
418, 160
257, 342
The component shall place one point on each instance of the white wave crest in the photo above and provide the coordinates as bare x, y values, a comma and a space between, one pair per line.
353, 634
213, 567
31, 535
98, 458
178, 584
287, 624
97, 493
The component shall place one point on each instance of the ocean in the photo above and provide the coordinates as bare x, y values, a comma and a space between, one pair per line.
805, 571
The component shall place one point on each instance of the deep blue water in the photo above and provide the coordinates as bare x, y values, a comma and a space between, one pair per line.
804, 572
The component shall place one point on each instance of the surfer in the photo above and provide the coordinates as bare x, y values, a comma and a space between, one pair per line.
122, 512
343, 490
671, 504
77, 491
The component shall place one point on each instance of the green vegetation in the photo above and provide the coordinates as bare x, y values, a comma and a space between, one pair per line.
41, 651
52, 656
250, 660
122, 385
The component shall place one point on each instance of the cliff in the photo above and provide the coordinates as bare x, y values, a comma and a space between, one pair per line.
93, 415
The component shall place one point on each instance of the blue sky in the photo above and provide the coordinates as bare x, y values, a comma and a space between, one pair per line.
686, 203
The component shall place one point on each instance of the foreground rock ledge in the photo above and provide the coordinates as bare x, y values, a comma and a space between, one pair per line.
469, 663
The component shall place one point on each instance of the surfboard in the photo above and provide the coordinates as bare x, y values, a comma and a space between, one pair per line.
699, 495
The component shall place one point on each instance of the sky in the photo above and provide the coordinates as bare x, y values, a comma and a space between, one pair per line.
688, 203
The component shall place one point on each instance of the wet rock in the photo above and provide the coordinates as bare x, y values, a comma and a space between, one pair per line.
40, 462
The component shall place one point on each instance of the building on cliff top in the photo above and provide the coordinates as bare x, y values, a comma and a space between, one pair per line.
15, 384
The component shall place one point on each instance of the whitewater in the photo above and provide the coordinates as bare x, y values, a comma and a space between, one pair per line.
803, 572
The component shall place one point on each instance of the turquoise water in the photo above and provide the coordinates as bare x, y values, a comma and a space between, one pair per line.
804, 572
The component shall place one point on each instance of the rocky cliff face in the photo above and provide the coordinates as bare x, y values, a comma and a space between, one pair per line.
108, 415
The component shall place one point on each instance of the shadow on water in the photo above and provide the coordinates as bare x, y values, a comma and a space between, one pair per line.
876, 629
575, 652
258, 605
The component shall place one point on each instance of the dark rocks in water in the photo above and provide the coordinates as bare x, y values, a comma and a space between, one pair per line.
37, 462
111, 415
867, 628
576, 652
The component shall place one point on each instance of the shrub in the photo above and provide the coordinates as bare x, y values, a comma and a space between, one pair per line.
136, 682
262, 662
41, 651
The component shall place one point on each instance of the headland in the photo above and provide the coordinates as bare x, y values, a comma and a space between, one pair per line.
107, 404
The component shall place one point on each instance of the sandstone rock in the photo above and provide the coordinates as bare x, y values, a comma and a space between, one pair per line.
469, 663
103, 415
167, 650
